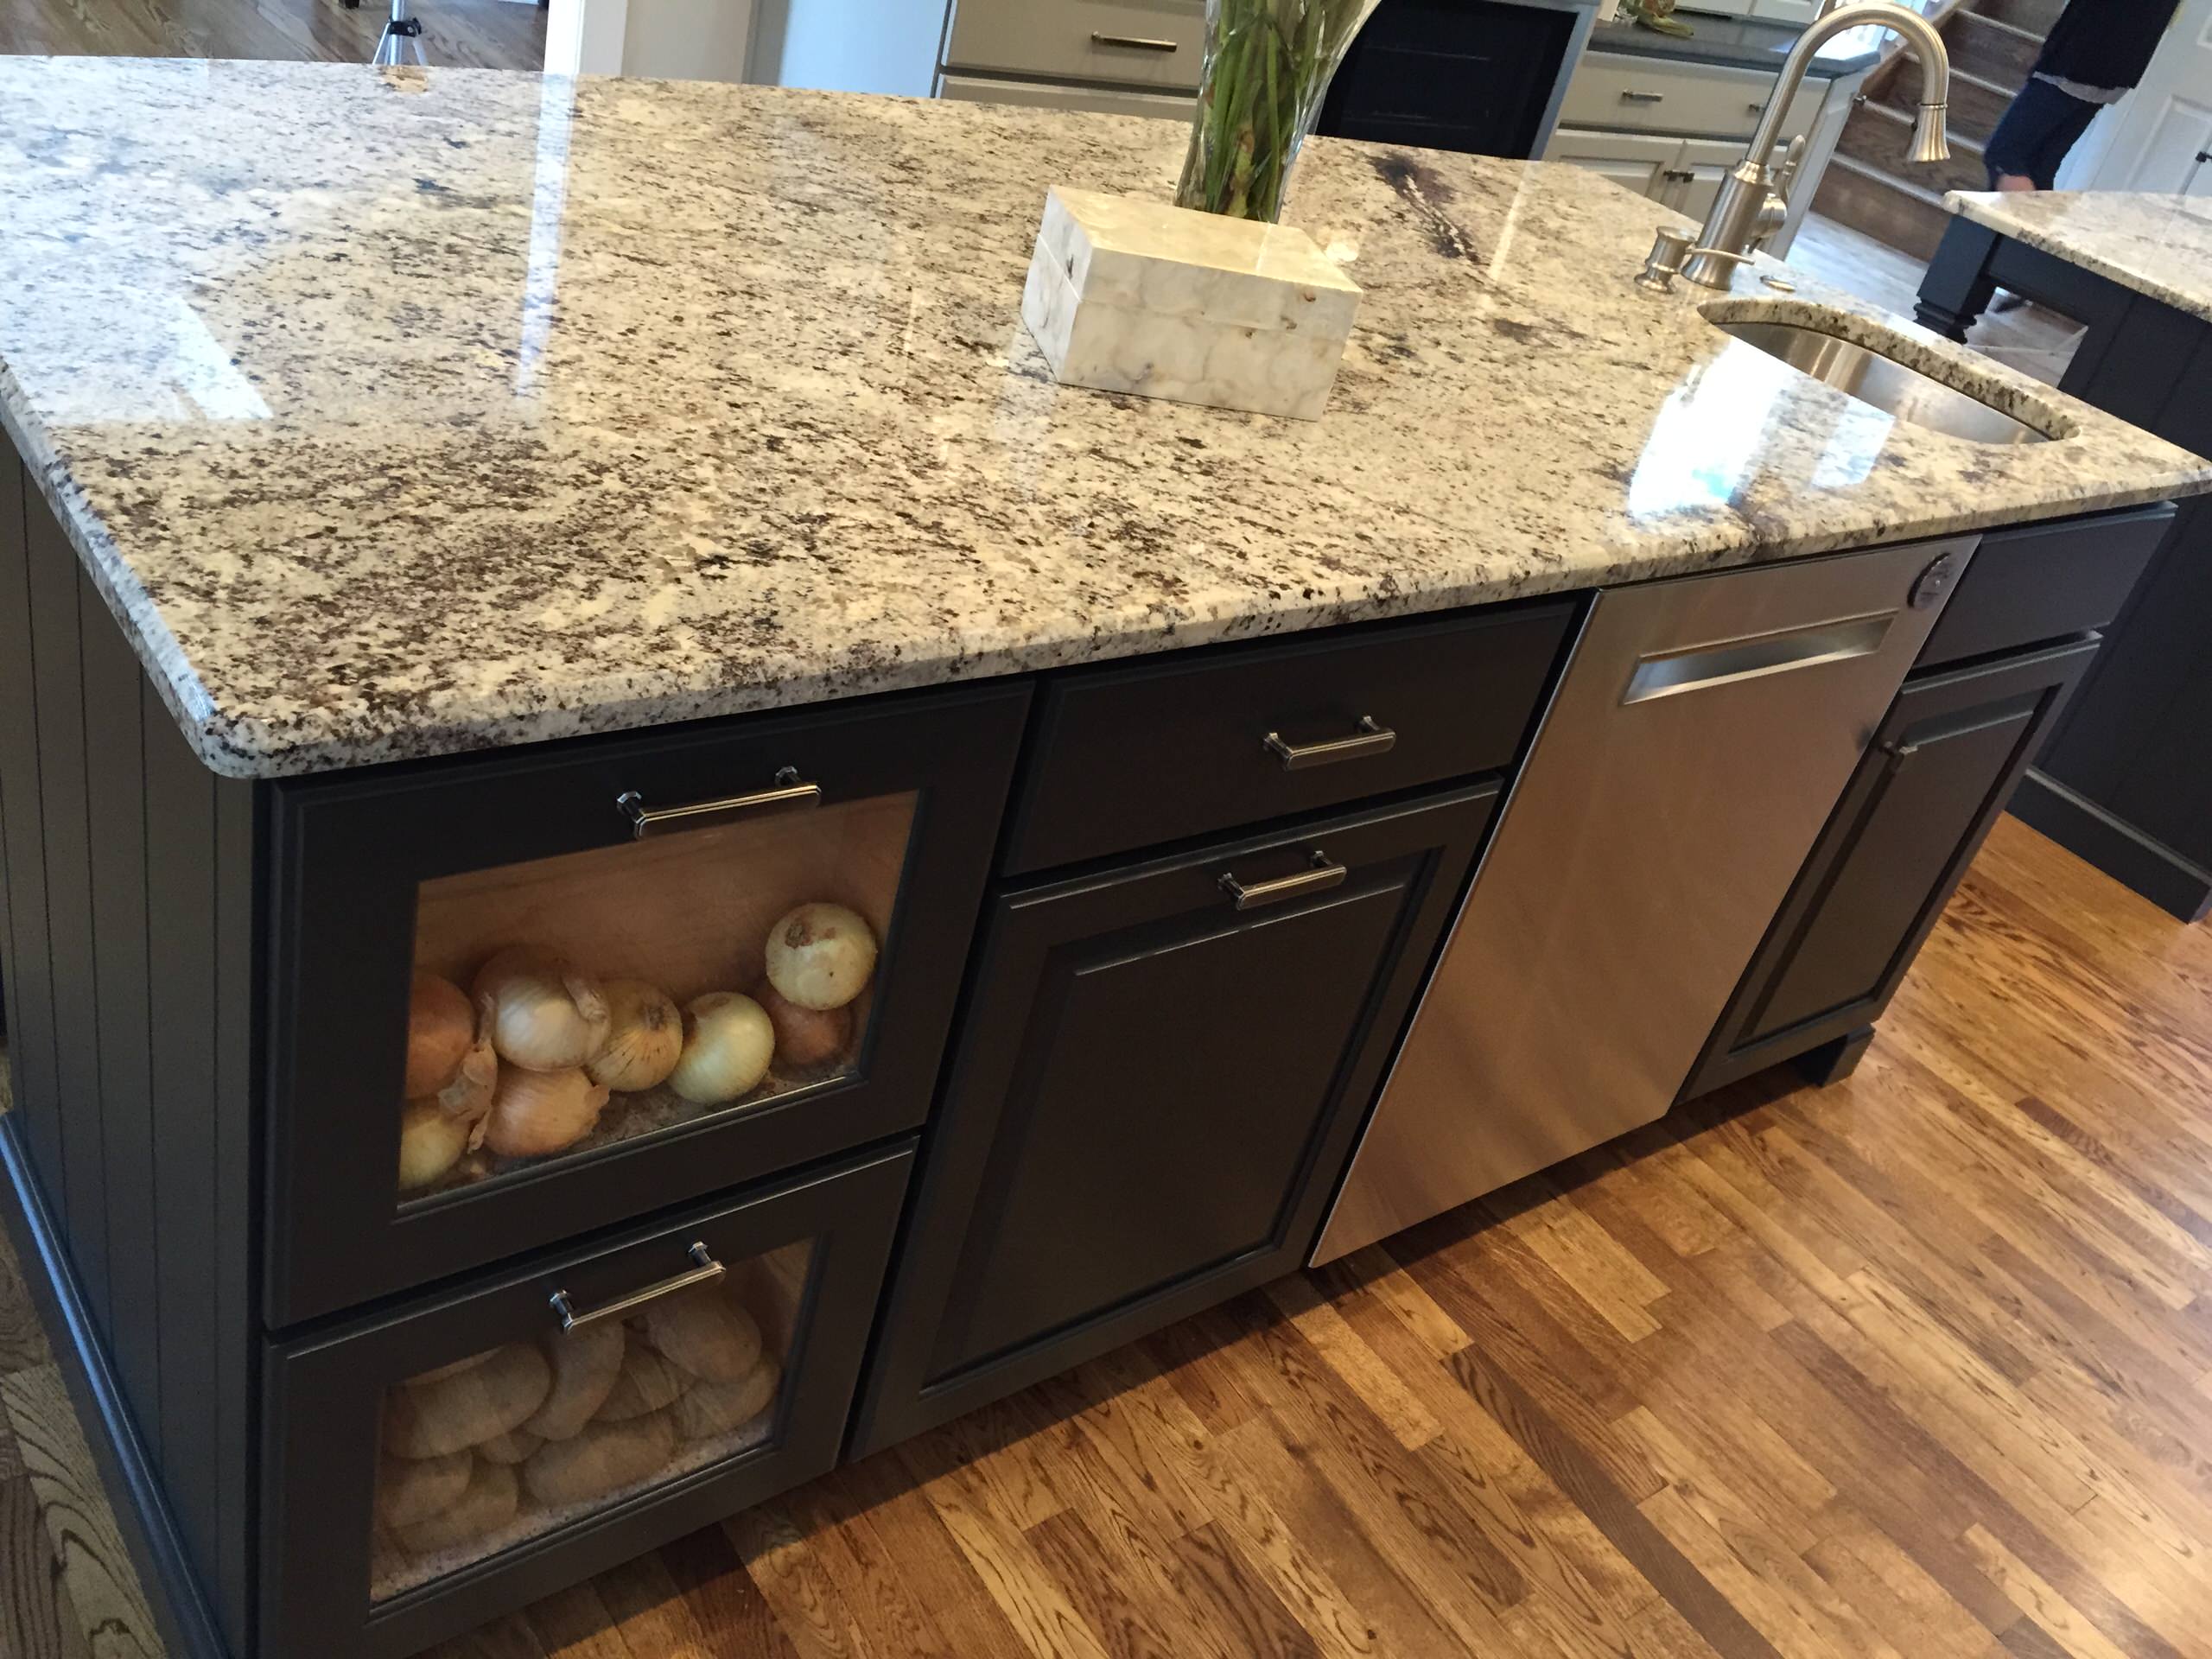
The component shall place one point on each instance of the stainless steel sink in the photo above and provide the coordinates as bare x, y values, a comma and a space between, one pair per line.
1883, 382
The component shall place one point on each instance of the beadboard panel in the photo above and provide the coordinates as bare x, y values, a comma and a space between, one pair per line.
127, 942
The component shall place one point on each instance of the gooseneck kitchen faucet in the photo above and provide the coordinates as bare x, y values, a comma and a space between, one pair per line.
1753, 203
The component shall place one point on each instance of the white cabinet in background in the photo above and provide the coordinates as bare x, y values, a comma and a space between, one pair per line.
1640, 162
1671, 129
1098, 100
1683, 173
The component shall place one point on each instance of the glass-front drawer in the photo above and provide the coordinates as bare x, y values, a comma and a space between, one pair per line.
565, 1006
522, 997
433, 1467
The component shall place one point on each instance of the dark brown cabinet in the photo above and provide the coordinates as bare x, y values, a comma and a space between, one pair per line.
1162, 1069
1938, 772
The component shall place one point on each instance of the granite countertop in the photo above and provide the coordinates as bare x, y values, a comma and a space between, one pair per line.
1743, 42
2158, 245
399, 413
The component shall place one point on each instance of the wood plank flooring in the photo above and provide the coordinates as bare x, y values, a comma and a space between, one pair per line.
1914, 1367
468, 34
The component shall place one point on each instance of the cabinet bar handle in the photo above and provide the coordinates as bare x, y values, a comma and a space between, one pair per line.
705, 1272
1727, 661
1372, 740
1325, 872
1631, 96
1134, 42
790, 792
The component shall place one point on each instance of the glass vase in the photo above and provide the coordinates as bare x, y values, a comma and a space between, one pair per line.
1267, 67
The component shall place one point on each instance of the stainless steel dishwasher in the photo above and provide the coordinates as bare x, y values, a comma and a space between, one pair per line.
1702, 733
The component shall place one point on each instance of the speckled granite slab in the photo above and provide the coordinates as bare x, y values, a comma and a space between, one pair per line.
2158, 245
402, 413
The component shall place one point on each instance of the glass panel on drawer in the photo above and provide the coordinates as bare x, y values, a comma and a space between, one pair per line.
562, 1006
499, 1446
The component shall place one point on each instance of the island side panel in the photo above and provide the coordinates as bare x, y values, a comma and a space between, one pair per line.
37, 1119
129, 963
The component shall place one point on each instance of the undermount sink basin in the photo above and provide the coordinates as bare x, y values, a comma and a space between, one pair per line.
1882, 382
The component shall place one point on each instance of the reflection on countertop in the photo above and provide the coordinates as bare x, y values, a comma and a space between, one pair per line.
540, 407
2160, 245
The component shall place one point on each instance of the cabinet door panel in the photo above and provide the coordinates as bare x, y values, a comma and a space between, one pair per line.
1942, 768
1154, 1096
1928, 790
1170, 1086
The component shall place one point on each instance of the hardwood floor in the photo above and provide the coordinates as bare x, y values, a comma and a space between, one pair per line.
1914, 1367
469, 34
2029, 339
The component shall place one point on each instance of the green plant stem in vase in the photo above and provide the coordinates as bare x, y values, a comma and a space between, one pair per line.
1267, 69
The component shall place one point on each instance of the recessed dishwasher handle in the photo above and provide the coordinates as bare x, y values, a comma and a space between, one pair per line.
1670, 674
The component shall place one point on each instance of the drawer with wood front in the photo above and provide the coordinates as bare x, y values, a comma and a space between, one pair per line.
2043, 581
522, 997
1621, 90
1138, 756
1137, 42
431, 1467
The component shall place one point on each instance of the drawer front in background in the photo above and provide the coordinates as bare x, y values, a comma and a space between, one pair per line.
1140, 43
1941, 767
433, 870
1135, 757
2043, 581
1620, 90
1153, 1096
411, 1494
1097, 100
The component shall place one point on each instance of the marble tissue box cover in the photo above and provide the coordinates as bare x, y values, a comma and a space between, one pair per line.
1129, 296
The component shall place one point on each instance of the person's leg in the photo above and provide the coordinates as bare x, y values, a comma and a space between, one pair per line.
2060, 137
2014, 149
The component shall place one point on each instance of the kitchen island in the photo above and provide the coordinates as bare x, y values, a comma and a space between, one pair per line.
2123, 782
589, 544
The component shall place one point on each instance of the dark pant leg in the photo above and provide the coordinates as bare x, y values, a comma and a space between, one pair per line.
2038, 128
2064, 133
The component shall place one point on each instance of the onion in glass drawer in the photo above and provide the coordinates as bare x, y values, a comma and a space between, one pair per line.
498, 1447
563, 1005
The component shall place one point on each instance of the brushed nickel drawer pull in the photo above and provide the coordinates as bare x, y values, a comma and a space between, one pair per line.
1632, 95
1134, 42
1372, 740
789, 793
706, 1271
1325, 872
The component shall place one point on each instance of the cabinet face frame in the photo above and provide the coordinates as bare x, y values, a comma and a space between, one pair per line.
1428, 844
322, 1396
2038, 682
349, 855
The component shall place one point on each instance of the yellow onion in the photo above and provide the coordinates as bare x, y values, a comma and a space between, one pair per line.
820, 955
728, 1042
645, 1038
441, 1028
544, 1013
806, 1037
430, 1143
537, 1113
